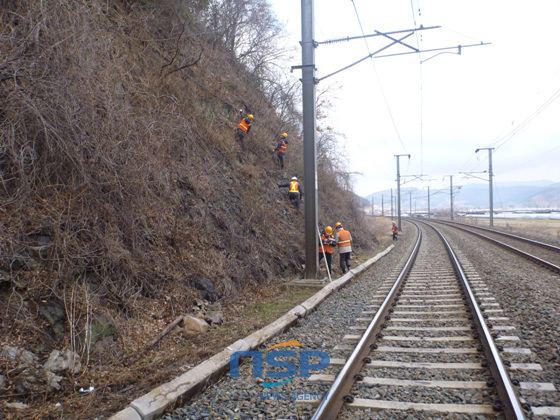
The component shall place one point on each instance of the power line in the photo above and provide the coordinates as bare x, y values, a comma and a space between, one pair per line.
530, 160
377, 78
531, 117
507, 137
421, 89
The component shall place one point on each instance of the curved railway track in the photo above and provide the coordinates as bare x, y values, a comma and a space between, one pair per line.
543, 254
435, 336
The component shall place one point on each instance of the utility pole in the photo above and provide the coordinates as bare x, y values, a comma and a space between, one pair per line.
308, 80
382, 208
372, 213
392, 214
451, 193
410, 203
398, 192
428, 202
490, 174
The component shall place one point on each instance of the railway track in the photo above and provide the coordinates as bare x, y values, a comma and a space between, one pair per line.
426, 340
543, 254
435, 342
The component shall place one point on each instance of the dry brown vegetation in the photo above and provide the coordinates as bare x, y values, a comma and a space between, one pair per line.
121, 184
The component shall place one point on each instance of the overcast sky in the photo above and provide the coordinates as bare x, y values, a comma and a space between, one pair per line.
440, 109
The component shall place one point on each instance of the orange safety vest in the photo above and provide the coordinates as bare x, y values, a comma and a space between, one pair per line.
294, 187
283, 148
244, 125
395, 230
328, 248
343, 238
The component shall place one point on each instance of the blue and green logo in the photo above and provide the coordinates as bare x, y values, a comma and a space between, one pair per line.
270, 358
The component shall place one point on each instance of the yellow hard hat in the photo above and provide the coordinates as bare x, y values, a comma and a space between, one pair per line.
328, 230
284, 135
394, 222
250, 116
337, 224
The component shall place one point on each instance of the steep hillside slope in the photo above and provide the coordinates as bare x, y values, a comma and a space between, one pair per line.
124, 198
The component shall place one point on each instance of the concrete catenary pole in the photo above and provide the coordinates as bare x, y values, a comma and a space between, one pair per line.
399, 193
309, 141
392, 212
451, 193
428, 202
491, 189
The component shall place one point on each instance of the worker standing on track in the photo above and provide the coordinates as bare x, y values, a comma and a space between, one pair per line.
395, 231
326, 247
243, 129
295, 192
344, 241
281, 149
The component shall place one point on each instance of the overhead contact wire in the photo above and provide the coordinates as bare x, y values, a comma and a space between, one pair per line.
378, 80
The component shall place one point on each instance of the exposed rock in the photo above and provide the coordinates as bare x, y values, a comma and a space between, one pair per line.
59, 361
206, 287
216, 306
53, 380
11, 353
17, 405
214, 317
56, 317
31, 381
195, 325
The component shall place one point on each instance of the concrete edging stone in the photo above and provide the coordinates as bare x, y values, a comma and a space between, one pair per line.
197, 379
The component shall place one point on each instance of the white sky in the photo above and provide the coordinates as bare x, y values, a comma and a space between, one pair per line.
505, 95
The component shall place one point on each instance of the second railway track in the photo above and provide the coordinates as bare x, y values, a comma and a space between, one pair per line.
544, 254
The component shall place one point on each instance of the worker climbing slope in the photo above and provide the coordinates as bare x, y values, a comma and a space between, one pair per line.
295, 191
281, 149
243, 129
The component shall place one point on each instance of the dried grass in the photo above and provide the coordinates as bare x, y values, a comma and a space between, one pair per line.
116, 127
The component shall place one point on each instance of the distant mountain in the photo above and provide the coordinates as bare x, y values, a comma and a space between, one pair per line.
507, 195
547, 197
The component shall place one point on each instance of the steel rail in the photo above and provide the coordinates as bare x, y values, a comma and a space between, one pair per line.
512, 406
339, 391
546, 264
509, 235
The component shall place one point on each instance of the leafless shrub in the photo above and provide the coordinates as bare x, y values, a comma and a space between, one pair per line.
117, 121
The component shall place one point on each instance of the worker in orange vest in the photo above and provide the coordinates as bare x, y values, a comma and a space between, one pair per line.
295, 192
344, 242
395, 231
243, 129
281, 149
326, 247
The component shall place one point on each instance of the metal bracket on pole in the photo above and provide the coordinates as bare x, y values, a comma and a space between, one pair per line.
302, 67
